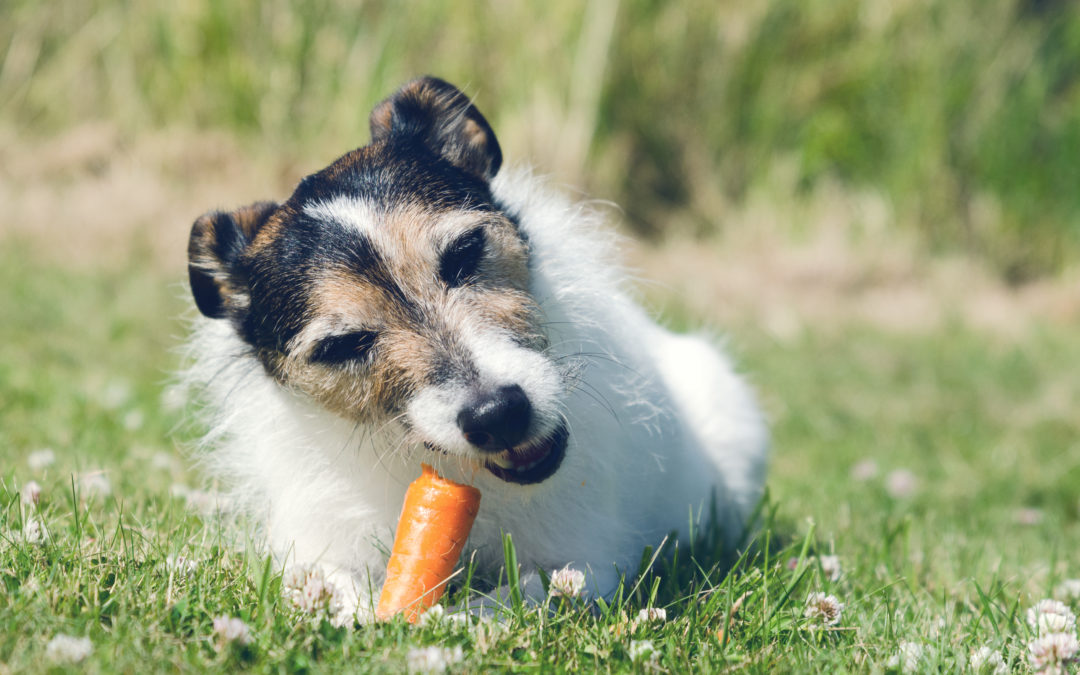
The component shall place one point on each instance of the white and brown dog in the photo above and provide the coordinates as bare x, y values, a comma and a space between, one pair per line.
413, 303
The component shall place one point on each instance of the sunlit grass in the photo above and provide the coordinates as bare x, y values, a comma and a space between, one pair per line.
949, 563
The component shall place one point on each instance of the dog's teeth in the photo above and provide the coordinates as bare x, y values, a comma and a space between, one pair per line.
530, 465
504, 462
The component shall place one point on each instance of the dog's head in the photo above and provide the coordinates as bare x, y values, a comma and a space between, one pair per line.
391, 286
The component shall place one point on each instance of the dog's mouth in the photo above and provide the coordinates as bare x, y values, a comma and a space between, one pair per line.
528, 463
531, 462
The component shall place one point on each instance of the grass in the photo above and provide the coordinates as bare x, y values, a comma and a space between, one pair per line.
939, 465
987, 427
961, 114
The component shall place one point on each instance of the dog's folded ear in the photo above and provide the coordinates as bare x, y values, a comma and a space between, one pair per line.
437, 114
217, 241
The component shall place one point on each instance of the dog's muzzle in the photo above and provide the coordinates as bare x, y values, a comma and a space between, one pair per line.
496, 423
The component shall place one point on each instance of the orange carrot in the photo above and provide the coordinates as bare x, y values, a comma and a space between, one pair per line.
434, 524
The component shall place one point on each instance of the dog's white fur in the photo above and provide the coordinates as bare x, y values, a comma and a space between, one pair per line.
660, 423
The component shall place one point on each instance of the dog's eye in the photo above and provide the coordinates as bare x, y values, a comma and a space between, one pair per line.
462, 258
342, 348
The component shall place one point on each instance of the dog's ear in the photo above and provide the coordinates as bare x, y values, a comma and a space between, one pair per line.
217, 241
437, 114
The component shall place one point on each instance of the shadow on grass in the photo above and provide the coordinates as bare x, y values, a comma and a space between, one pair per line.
707, 575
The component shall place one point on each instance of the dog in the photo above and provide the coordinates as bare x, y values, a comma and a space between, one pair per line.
415, 303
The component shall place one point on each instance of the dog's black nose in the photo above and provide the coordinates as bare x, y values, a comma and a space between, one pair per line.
496, 419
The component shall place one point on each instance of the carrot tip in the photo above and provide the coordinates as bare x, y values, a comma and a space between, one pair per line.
435, 522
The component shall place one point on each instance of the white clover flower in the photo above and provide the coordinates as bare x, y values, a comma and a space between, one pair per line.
310, 590
68, 649
901, 483
830, 565
313, 596
652, 614
1052, 653
40, 459
567, 582
115, 394
987, 661
436, 615
174, 398
295, 577
1068, 590
485, 633
647, 616
318, 595
133, 420
162, 460
231, 630
95, 483
433, 616
33, 531
180, 565
1051, 616
864, 470
459, 619
432, 659
643, 650
823, 608
31, 493
907, 657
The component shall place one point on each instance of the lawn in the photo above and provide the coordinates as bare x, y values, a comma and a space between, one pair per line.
874, 202
937, 471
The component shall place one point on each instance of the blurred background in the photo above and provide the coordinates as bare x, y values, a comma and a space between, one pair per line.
877, 200
829, 145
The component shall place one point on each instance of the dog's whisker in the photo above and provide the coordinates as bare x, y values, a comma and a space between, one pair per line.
348, 442
392, 420
391, 449
592, 392
397, 449
602, 356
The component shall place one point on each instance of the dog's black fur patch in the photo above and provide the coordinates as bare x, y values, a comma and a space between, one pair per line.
430, 148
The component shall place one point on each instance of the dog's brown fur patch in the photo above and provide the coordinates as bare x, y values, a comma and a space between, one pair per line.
418, 318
